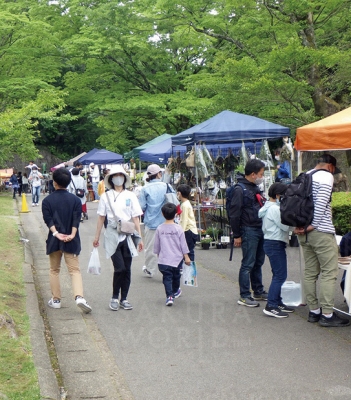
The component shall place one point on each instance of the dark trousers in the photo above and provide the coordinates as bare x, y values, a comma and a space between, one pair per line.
122, 262
252, 261
191, 239
275, 250
171, 278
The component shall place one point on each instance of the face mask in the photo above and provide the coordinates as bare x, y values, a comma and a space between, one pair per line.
258, 181
277, 158
118, 180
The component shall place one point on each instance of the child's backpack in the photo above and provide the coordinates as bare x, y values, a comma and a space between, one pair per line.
296, 206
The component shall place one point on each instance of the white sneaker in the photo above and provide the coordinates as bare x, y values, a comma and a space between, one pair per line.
83, 305
54, 303
33, 204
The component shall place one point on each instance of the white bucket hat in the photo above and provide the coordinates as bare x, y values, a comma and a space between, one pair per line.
117, 169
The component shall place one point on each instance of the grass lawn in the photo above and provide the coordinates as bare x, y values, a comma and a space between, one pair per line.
18, 376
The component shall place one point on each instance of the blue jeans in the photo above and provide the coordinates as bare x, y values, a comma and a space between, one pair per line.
275, 250
171, 278
35, 194
191, 239
253, 259
95, 190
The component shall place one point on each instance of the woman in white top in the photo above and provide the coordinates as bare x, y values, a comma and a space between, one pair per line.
35, 178
124, 205
78, 182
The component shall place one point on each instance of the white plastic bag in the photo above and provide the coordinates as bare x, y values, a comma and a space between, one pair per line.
189, 276
94, 263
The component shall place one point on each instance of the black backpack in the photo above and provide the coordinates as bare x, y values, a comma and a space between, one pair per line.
230, 192
296, 206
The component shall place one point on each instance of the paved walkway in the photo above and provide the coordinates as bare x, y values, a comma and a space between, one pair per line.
204, 347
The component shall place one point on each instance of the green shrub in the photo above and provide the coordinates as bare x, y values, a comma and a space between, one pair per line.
341, 208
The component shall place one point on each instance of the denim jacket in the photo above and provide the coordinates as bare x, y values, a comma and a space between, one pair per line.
151, 200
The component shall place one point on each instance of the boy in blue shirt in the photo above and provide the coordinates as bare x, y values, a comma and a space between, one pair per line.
171, 248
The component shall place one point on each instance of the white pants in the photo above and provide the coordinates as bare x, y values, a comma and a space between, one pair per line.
151, 259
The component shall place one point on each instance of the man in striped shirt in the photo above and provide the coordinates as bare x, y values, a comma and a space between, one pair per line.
320, 249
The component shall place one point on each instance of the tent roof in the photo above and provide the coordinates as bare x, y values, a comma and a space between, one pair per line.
101, 157
135, 152
72, 160
228, 127
159, 153
331, 133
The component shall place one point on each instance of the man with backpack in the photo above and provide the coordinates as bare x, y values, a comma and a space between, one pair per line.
320, 248
247, 232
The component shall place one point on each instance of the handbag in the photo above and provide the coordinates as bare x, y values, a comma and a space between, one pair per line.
79, 192
123, 227
171, 197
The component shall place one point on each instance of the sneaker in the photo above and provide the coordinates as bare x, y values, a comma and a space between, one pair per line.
275, 312
261, 296
33, 204
54, 303
114, 304
126, 305
147, 272
248, 302
313, 317
285, 308
177, 293
334, 320
169, 301
83, 305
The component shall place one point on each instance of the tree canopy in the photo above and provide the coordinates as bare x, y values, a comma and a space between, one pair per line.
76, 74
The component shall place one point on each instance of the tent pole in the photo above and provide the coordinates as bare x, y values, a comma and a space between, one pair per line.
299, 162
198, 205
139, 168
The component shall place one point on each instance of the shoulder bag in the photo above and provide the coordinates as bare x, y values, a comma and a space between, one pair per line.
79, 192
123, 227
170, 196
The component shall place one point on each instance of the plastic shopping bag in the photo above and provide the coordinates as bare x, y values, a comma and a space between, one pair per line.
94, 263
189, 276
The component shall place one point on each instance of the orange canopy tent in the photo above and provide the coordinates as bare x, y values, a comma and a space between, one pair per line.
331, 133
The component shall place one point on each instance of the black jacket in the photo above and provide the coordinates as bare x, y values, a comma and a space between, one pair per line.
63, 210
244, 207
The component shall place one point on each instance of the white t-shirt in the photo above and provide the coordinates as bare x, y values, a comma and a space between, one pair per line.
125, 205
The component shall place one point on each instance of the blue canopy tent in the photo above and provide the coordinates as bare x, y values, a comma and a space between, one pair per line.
135, 152
99, 157
228, 127
159, 153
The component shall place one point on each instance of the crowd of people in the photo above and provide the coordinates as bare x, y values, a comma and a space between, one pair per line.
254, 221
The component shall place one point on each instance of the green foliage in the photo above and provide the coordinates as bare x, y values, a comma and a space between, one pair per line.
341, 212
18, 377
132, 71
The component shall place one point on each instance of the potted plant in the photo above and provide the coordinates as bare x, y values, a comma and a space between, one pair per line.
205, 243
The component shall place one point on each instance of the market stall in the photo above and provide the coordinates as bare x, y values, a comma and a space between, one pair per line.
228, 128
331, 133
136, 151
100, 157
